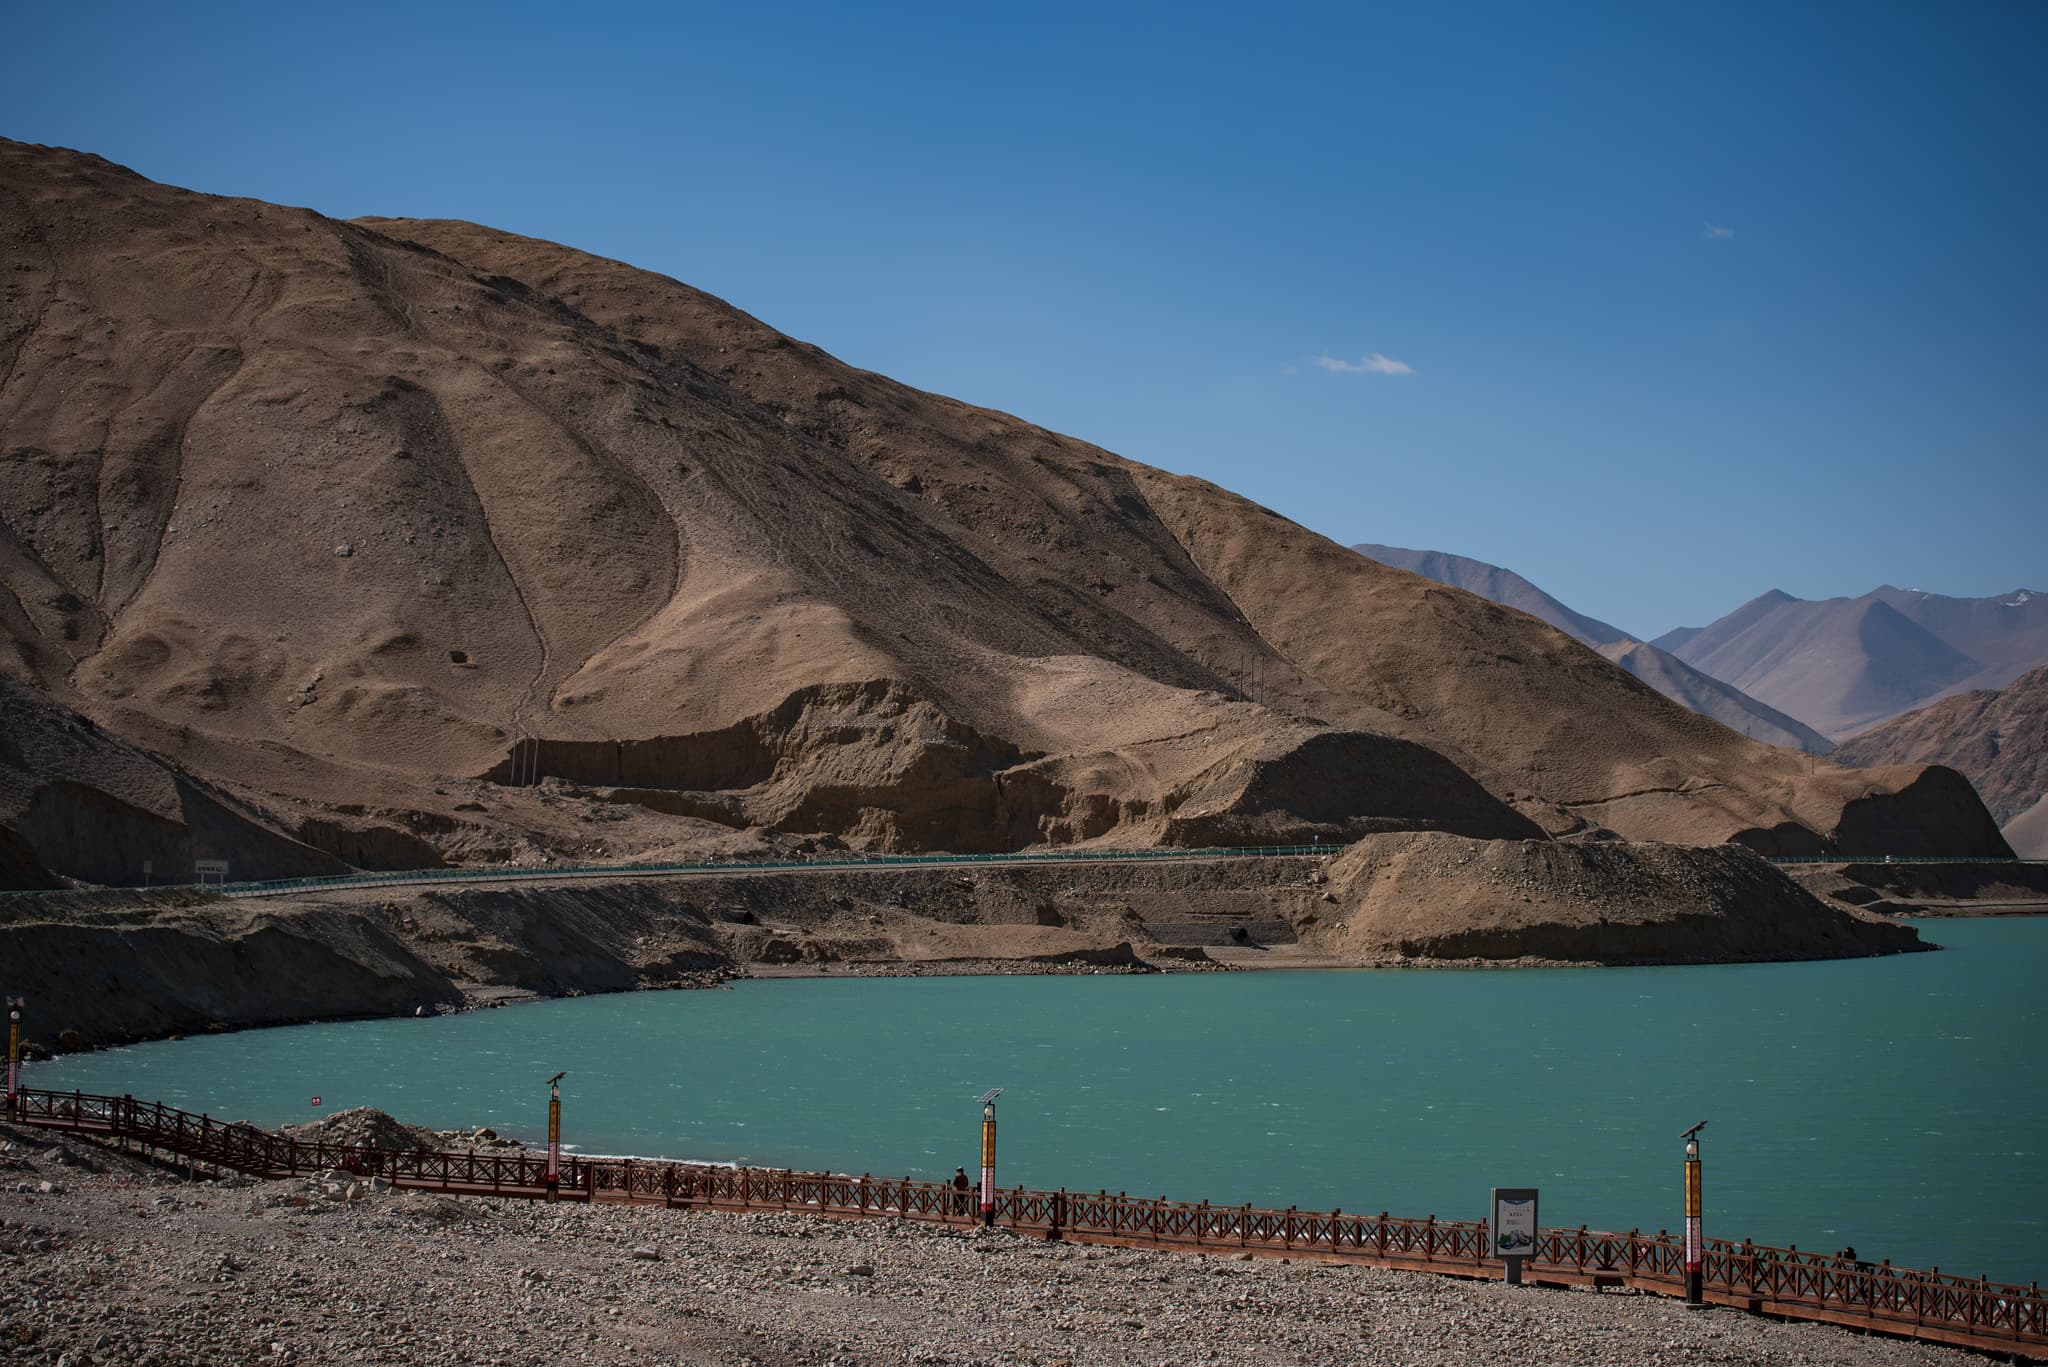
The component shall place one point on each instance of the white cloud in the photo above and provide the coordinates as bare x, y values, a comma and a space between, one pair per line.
1716, 230
1374, 364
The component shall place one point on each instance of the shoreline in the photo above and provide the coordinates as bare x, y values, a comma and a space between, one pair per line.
1233, 959
1956, 911
103, 975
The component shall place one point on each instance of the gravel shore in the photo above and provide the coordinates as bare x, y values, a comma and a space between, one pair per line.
104, 1260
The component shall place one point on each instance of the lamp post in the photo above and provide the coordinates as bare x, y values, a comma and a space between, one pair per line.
555, 1135
14, 1005
988, 1157
1695, 1251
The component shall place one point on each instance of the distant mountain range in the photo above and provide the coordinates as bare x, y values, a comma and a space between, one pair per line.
1658, 668
1998, 738
1917, 674
1842, 665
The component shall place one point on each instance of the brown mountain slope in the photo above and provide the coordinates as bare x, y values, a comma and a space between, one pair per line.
77, 803
1664, 672
2027, 833
1998, 738
1708, 696
341, 514
1580, 732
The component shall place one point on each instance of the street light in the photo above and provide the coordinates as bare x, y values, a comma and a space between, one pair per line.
988, 1156
14, 1005
555, 1135
1695, 1251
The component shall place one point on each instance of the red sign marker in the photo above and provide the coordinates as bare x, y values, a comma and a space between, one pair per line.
316, 1101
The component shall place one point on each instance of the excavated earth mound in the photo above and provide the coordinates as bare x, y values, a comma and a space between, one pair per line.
1444, 897
363, 1125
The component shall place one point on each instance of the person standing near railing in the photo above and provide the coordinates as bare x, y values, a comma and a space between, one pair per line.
961, 1186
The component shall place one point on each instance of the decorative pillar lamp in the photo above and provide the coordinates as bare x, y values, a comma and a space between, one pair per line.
988, 1156
555, 1135
1695, 1244
14, 1005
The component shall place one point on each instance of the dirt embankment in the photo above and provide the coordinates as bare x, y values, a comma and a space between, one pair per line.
1990, 888
1443, 897
111, 966
104, 968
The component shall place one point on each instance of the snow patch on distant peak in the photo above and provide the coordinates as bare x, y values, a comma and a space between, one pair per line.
2020, 600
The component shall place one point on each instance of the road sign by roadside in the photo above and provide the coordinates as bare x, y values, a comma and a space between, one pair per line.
210, 870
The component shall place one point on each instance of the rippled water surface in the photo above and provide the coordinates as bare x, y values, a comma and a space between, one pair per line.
1894, 1104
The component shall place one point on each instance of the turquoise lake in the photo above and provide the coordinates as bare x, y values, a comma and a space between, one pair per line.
1893, 1104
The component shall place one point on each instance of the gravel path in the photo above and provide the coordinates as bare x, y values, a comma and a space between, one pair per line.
105, 1261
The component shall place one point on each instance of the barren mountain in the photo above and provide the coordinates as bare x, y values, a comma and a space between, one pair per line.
2027, 833
1844, 664
1497, 585
419, 540
1666, 673
1997, 738
2007, 634
1709, 697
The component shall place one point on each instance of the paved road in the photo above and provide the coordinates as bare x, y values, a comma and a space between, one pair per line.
466, 877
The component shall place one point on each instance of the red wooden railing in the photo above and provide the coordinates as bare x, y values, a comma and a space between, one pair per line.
1973, 1313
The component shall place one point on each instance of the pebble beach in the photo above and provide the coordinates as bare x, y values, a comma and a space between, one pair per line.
105, 1259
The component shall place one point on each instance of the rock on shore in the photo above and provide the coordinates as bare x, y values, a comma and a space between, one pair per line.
128, 1265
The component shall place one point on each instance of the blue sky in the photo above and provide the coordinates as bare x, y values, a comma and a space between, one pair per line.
1671, 304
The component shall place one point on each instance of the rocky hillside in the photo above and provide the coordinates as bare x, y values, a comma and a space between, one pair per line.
1998, 738
1666, 673
1709, 697
1497, 585
77, 799
2027, 833
410, 541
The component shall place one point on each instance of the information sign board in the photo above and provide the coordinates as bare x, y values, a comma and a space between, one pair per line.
1512, 1228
